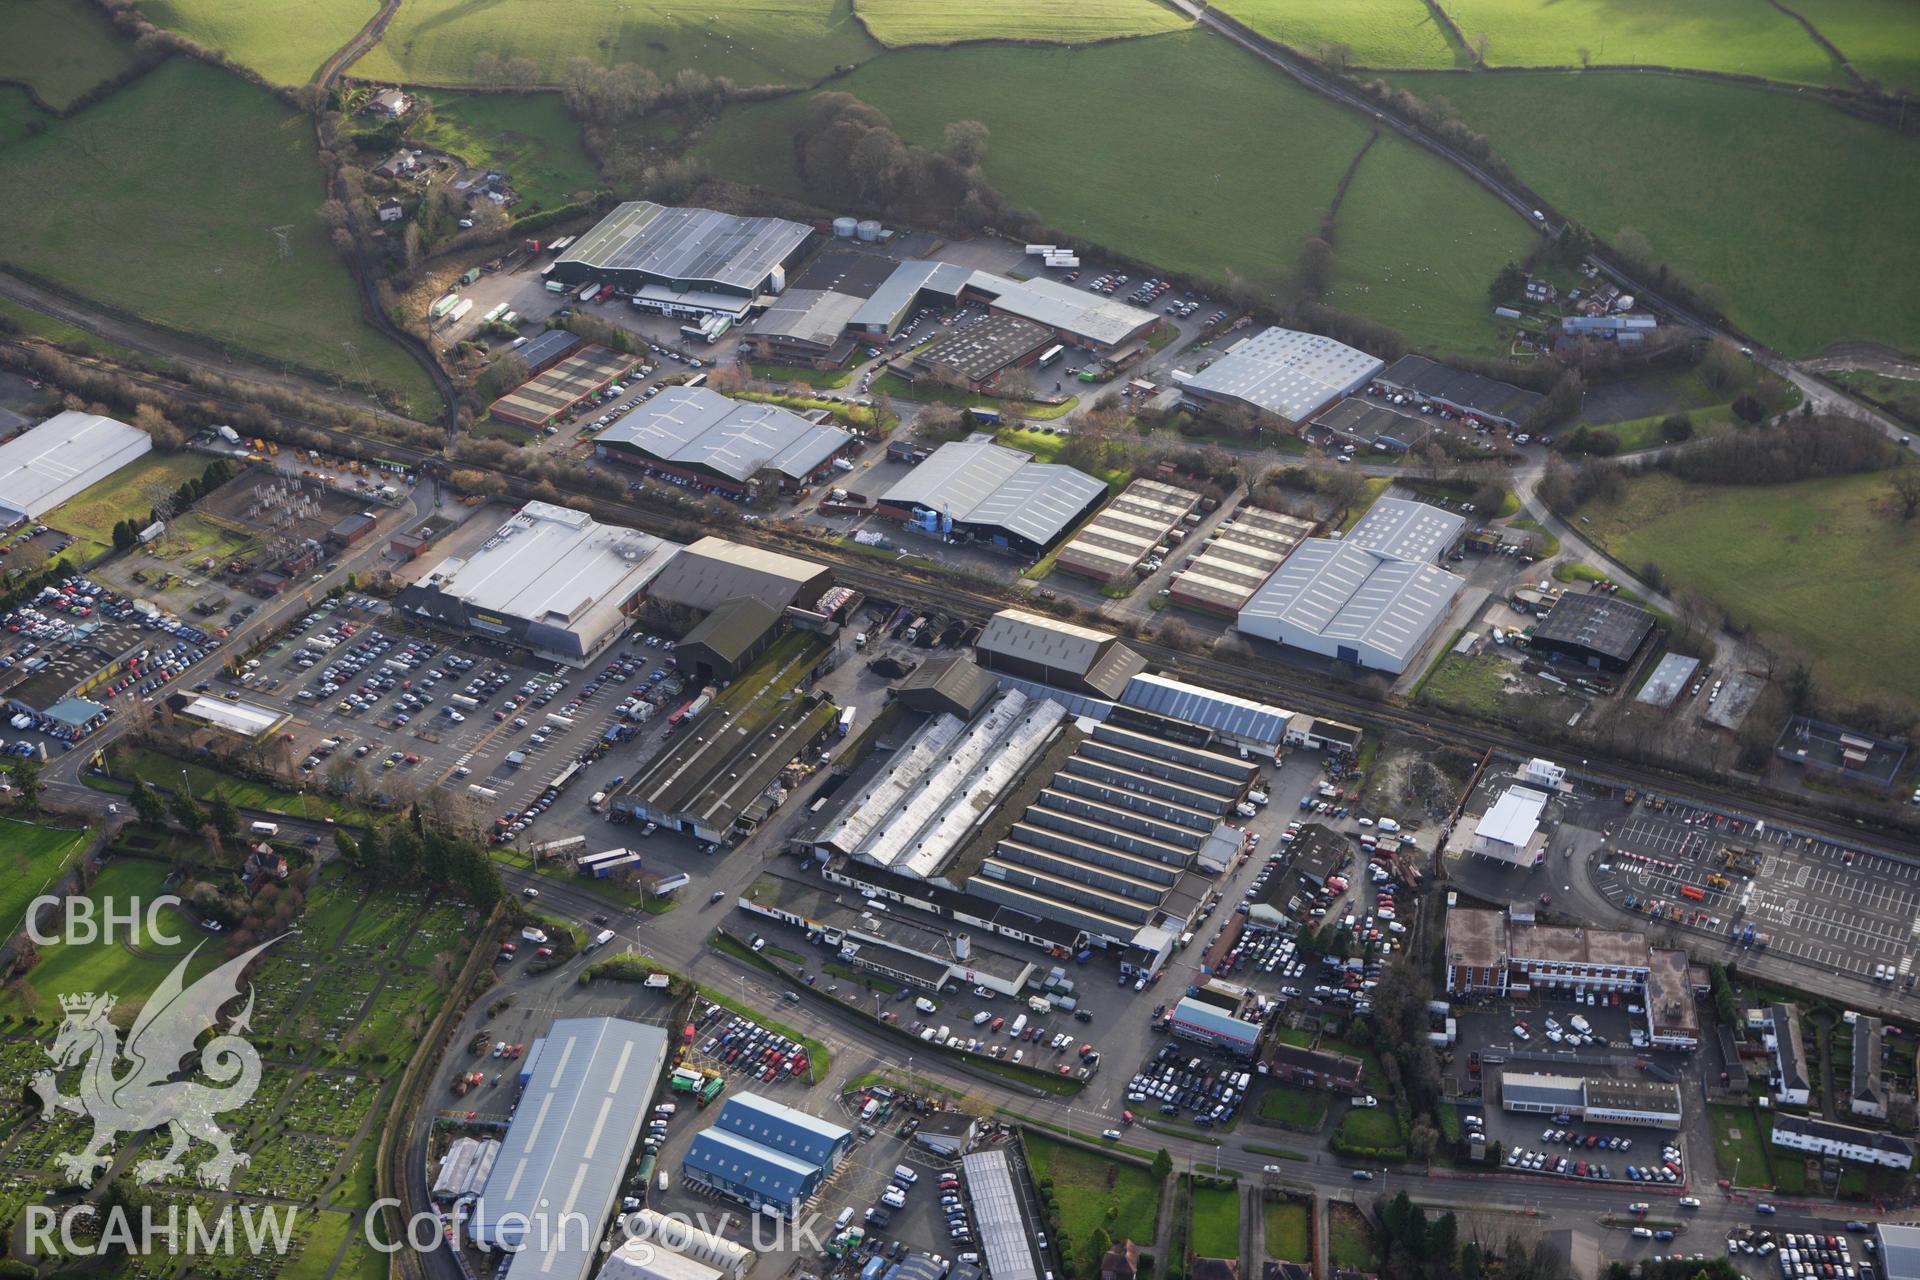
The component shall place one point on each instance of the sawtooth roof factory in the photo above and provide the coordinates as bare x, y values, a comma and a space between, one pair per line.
685, 262
1372, 598
1129, 531
44, 466
542, 400
551, 579
705, 438
993, 493
1241, 554
1281, 372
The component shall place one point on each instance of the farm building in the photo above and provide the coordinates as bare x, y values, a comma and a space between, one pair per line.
551, 579
1602, 631
549, 349
726, 641
1373, 598
974, 356
1078, 659
712, 571
1128, 531
764, 1154
45, 465
685, 262
544, 399
992, 493
1072, 316
1282, 373
1361, 423
703, 437
1241, 554
1425, 381
589, 1089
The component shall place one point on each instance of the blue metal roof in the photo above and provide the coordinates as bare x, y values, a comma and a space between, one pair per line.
734, 1161
782, 1128
1253, 721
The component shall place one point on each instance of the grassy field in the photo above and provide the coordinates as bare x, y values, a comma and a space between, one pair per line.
1235, 203
284, 40
1375, 1127
164, 772
58, 331
1380, 33
1216, 1222
1350, 1242
752, 42
1819, 564
930, 392
131, 972
1744, 36
1293, 1107
904, 22
821, 379
528, 135
61, 47
32, 856
1690, 164
1288, 1234
1878, 37
176, 224
94, 511
1085, 1186
1432, 285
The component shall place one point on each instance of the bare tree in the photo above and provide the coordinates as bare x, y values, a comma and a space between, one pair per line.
1904, 485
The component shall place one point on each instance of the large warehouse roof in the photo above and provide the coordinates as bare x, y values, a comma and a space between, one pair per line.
1005, 1237
557, 566
1237, 718
564, 1151
688, 245
1126, 530
1468, 390
1090, 317
1406, 530
1343, 592
695, 427
730, 1158
43, 467
1037, 640
1606, 625
818, 316
713, 571
1285, 372
784, 1128
552, 393
982, 483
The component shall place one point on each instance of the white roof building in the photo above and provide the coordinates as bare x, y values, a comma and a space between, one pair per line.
1510, 830
640, 1259
1284, 372
246, 719
43, 467
730, 440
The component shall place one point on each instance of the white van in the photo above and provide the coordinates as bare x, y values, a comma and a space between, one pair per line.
1018, 1025
925, 1005
846, 1216
904, 1176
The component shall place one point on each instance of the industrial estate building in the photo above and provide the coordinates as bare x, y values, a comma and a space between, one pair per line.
1510, 830
974, 355
1602, 631
1236, 560
543, 400
712, 571
1282, 373
1358, 422
765, 1154
1236, 722
552, 579
1425, 381
1654, 1104
726, 641
42, 467
1373, 598
704, 438
1143, 522
992, 493
1006, 1235
1072, 316
685, 262
955, 685
587, 1094
547, 349
1063, 655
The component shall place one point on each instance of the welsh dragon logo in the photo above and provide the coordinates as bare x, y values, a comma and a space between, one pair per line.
146, 1095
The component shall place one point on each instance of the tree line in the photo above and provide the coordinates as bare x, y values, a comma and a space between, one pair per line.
127, 532
414, 852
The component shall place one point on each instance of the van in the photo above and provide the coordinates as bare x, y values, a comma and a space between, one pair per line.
846, 1216
265, 829
1019, 1025
663, 1180
1039, 1004
904, 1176
1388, 824
924, 1005
597, 801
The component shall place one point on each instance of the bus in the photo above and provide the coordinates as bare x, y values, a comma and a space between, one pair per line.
485, 793
1051, 354
1693, 893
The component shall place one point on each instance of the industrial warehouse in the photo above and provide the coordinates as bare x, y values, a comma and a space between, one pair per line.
992, 493
1427, 382
1373, 598
1360, 422
703, 437
551, 579
1060, 655
1599, 631
1280, 372
974, 356
765, 1155
1136, 527
685, 262
1236, 560
44, 466
1072, 316
543, 400
712, 571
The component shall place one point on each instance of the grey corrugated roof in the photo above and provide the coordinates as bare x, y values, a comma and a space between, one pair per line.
1346, 592
1542, 1090
696, 427
730, 630
698, 245
554, 344
43, 467
713, 571
980, 482
809, 315
1005, 1239
1455, 386
733, 1159
1899, 1251
1406, 530
1034, 637
1208, 707
1286, 372
958, 680
898, 291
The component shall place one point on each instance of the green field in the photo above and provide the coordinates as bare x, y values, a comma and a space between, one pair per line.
1236, 203
752, 42
1351, 1242
61, 47
1085, 1186
903, 22
1293, 1107
1749, 37
129, 971
1879, 37
32, 856
1819, 564
1288, 1233
528, 135
1378, 33
284, 40
175, 223
164, 772
1745, 1148
1216, 1222
1694, 164
1432, 285
59, 331
94, 511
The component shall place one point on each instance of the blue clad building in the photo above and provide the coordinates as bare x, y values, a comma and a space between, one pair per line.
764, 1154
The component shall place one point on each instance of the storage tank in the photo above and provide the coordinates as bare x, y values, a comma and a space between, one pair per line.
844, 228
868, 229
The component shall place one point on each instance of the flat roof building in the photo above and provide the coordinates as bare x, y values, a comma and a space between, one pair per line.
1368, 423
1510, 831
45, 465
975, 355
1128, 531
1072, 657
993, 493
1899, 1251
1673, 1018
712, 571
1602, 631
1238, 722
1281, 372
687, 251
1427, 381
552, 579
1209, 1024
1241, 554
1478, 953
805, 326
705, 437
544, 399
1654, 1104
242, 719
